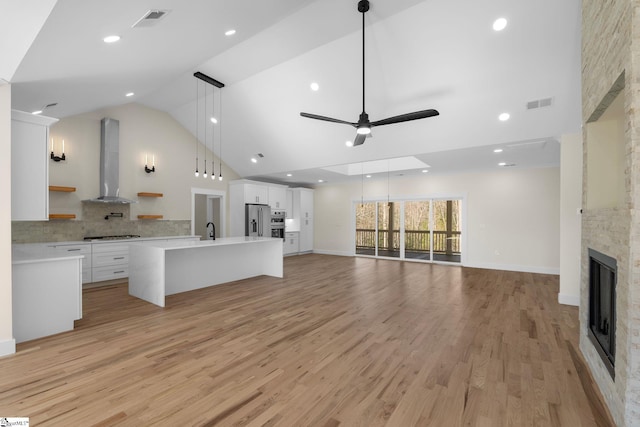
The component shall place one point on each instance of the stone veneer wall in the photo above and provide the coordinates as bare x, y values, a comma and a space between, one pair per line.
94, 224
611, 47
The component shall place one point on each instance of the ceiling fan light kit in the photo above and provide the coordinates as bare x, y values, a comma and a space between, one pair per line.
363, 125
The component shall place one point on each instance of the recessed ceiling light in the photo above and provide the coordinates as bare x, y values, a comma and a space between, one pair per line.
111, 39
321, 180
315, 86
498, 150
502, 164
36, 112
230, 32
368, 176
289, 174
424, 171
254, 160
214, 120
349, 143
130, 94
499, 24
504, 117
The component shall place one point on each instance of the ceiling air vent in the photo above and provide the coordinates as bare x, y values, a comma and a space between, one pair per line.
150, 18
539, 103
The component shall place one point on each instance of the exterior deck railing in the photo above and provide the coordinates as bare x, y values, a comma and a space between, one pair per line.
446, 242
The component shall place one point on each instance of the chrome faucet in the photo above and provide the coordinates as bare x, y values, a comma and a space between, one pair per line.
212, 233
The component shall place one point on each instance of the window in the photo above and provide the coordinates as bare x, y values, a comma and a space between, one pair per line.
425, 230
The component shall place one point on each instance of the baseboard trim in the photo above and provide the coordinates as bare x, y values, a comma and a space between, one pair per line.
337, 253
569, 299
510, 267
7, 347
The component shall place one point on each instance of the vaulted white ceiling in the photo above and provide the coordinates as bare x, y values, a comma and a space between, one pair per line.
420, 55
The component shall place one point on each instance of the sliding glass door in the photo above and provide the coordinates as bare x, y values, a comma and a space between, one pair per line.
417, 234
366, 228
426, 230
446, 230
389, 229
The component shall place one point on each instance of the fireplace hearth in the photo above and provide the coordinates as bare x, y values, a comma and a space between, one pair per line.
602, 307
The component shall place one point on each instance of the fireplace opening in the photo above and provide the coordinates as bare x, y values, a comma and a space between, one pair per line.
602, 307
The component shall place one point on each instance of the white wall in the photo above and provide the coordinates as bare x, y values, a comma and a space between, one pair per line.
570, 218
512, 215
143, 131
7, 343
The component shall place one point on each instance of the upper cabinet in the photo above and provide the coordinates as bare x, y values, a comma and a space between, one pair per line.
255, 193
277, 198
29, 166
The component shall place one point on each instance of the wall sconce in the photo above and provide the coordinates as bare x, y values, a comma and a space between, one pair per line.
146, 162
57, 158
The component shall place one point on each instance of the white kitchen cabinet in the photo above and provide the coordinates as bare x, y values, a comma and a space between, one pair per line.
254, 193
244, 191
303, 215
289, 213
79, 249
46, 292
277, 198
291, 243
109, 261
29, 166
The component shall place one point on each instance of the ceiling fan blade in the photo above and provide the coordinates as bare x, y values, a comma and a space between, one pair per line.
327, 119
406, 117
359, 139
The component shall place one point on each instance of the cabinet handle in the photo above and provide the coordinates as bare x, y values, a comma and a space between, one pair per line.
119, 257
116, 272
71, 250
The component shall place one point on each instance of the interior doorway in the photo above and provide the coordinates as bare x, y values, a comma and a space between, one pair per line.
207, 207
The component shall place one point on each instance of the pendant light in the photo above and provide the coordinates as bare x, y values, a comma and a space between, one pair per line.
219, 85
213, 135
205, 134
220, 152
197, 173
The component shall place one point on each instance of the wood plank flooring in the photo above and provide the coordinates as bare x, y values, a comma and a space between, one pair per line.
339, 341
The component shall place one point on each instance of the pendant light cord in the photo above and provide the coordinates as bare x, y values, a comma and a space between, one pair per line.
363, 61
220, 158
205, 131
197, 113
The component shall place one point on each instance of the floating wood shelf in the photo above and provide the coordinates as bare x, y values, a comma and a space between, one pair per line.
149, 216
143, 194
62, 189
62, 216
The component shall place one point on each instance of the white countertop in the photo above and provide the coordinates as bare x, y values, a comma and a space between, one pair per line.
222, 241
29, 254
94, 241
24, 253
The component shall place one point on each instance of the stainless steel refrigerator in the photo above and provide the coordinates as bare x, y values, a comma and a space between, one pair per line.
257, 220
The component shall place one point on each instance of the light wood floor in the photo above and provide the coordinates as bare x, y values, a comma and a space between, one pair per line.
340, 341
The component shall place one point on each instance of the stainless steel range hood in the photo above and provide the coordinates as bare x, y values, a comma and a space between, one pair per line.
110, 164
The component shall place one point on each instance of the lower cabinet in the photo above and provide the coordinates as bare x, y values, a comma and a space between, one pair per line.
81, 249
109, 261
291, 243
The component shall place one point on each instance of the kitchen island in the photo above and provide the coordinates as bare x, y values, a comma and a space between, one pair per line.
166, 268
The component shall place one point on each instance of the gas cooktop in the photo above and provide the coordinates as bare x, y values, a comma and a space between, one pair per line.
120, 237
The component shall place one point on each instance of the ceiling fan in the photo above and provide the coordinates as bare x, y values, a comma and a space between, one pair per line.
363, 125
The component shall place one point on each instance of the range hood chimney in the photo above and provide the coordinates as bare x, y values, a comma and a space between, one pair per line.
110, 163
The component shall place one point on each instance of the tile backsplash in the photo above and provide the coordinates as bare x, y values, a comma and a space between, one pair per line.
95, 224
